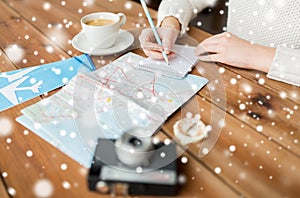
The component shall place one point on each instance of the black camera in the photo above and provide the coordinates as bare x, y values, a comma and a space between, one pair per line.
134, 166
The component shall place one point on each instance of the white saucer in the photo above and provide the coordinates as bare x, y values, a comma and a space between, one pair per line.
124, 40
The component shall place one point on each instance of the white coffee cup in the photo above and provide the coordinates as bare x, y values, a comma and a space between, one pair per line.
101, 29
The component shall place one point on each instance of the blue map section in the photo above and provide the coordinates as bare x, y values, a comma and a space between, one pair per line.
21, 85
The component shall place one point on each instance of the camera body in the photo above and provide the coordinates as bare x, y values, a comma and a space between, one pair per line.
158, 176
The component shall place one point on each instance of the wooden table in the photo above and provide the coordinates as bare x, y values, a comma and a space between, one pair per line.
256, 155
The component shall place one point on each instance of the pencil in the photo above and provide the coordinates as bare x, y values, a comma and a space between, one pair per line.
158, 40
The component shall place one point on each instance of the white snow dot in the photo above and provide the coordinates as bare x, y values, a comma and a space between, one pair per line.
66, 184
242, 106
208, 127
15, 53
6, 127
184, 160
11, 191
181, 179
205, 151
153, 99
63, 3
71, 68
63, 167
29, 153
8, 140
26, 132
261, 81
4, 174
222, 70
32, 80
194, 87
63, 132
259, 128
162, 154
139, 169
37, 125
233, 81
65, 80
47, 6
218, 170
128, 5
72, 135
57, 71
283, 95
167, 141
232, 148
140, 95
43, 188
33, 19
189, 115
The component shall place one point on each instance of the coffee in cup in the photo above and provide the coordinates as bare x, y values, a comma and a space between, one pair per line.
100, 22
101, 29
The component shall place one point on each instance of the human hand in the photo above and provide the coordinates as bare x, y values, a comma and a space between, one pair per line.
168, 32
232, 50
151, 48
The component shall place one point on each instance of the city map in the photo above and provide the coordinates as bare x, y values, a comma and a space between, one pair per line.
106, 103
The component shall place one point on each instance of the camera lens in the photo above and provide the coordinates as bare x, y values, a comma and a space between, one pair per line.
135, 142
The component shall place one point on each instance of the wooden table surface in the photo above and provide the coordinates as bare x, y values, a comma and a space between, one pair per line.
257, 152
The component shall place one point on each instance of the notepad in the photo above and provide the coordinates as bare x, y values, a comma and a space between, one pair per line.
180, 64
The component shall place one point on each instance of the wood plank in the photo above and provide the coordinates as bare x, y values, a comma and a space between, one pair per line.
15, 145
283, 89
3, 191
199, 182
24, 45
256, 165
5, 64
260, 108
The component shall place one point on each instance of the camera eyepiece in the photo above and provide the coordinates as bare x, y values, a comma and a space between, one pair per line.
135, 142
134, 150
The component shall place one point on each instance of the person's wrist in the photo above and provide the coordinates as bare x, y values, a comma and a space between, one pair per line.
171, 22
263, 57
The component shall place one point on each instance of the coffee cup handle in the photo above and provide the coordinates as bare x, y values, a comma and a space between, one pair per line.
122, 19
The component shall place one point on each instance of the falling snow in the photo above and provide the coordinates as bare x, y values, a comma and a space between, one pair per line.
218, 170
15, 53
6, 127
232, 148
184, 160
66, 184
43, 188
11, 191
29, 153
63, 167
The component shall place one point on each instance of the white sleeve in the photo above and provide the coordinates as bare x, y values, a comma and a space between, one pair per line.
286, 66
183, 10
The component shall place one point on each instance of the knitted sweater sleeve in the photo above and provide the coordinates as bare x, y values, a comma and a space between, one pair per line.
183, 10
286, 66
